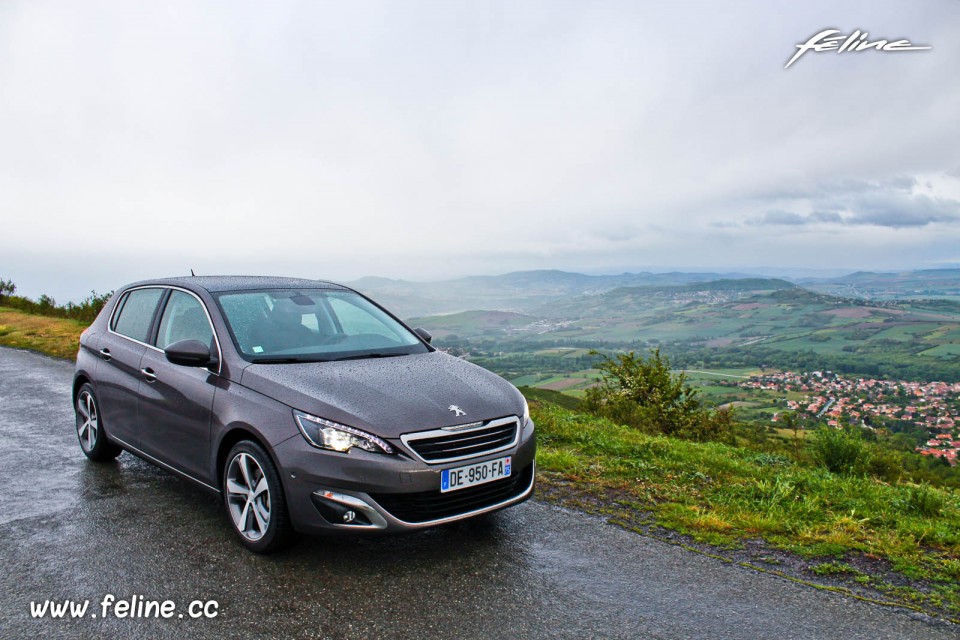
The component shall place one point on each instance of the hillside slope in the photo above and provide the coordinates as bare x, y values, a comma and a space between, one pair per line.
892, 542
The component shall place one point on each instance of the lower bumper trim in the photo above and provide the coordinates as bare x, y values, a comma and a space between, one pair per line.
432, 507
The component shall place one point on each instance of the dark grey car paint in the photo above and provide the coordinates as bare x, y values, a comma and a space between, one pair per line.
116, 370
174, 413
187, 418
388, 396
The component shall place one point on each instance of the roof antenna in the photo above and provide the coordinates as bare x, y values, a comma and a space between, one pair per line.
192, 273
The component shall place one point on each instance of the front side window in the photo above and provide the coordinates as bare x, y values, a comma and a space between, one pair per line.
136, 313
183, 319
313, 324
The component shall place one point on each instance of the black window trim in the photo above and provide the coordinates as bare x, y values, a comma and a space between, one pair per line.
115, 317
117, 310
157, 314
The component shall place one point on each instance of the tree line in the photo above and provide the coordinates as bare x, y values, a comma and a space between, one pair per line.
85, 311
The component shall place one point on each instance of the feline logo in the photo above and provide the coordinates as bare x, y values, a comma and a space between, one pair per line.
857, 41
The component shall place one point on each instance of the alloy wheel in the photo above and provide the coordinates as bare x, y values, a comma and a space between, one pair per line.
248, 496
88, 424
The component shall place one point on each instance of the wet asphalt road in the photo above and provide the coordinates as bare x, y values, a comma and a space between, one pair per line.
73, 529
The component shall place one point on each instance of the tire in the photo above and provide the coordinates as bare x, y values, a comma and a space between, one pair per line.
254, 499
90, 433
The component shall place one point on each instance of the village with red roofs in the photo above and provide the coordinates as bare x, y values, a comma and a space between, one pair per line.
933, 406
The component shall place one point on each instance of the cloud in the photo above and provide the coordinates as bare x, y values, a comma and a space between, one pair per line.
893, 203
338, 140
790, 218
780, 217
889, 210
833, 217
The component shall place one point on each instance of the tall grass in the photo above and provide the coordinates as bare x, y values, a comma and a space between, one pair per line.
57, 337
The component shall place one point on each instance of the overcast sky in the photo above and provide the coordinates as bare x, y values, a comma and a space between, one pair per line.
438, 139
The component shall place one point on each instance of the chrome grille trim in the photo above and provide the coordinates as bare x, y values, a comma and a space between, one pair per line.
454, 439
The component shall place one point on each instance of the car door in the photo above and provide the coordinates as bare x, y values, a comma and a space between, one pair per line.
120, 350
175, 400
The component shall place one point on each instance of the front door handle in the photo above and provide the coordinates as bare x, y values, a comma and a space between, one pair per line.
105, 353
148, 374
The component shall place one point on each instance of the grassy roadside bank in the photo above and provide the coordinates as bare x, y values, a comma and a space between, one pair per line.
892, 543
57, 337
896, 544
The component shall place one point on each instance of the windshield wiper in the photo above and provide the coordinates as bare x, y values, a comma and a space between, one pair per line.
295, 359
364, 356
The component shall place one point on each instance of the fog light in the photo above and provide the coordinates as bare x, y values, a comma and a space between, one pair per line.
337, 508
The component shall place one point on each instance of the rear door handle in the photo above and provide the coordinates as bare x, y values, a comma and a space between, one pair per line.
105, 353
148, 374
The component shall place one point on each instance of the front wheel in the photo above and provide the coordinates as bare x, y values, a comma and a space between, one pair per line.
254, 499
93, 440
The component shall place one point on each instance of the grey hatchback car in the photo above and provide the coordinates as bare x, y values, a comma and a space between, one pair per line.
307, 406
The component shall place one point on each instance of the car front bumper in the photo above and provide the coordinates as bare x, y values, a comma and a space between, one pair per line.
360, 492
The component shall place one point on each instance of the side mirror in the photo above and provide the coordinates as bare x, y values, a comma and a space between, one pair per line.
423, 333
190, 353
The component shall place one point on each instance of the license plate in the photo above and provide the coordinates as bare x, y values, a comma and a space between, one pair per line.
474, 474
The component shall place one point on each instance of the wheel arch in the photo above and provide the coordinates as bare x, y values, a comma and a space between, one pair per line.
78, 381
232, 436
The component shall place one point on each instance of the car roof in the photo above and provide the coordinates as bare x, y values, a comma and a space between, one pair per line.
216, 284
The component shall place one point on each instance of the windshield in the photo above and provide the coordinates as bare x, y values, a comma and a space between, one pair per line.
305, 325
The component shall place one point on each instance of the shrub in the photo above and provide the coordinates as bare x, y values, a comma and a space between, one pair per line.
7, 288
886, 465
645, 394
86, 310
924, 500
839, 450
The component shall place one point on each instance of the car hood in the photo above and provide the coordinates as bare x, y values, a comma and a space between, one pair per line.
389, 396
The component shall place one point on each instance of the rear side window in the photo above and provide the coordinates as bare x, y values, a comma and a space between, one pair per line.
183, 319
136, 313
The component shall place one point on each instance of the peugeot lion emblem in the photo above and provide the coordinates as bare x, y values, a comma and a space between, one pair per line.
457, 411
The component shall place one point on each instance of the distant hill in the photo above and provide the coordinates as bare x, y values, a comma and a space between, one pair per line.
472, 323
904, 285
530, 322
642, 301
623, 313
520, 291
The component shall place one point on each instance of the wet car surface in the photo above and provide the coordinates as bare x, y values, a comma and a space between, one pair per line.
307, 406
73, 529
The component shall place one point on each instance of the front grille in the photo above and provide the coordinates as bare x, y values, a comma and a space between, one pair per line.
433, 505
445, 446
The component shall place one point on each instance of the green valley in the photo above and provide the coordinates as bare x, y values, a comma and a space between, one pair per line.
742, 324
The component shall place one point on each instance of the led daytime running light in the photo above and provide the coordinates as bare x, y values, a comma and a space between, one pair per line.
330, 424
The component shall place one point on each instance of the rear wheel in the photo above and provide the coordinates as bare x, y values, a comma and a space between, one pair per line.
90, 432
255, 500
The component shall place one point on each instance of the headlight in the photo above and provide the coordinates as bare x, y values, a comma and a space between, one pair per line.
326, 434
526, 412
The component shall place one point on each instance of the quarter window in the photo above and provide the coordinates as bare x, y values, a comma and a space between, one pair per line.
136, 313
183, 319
